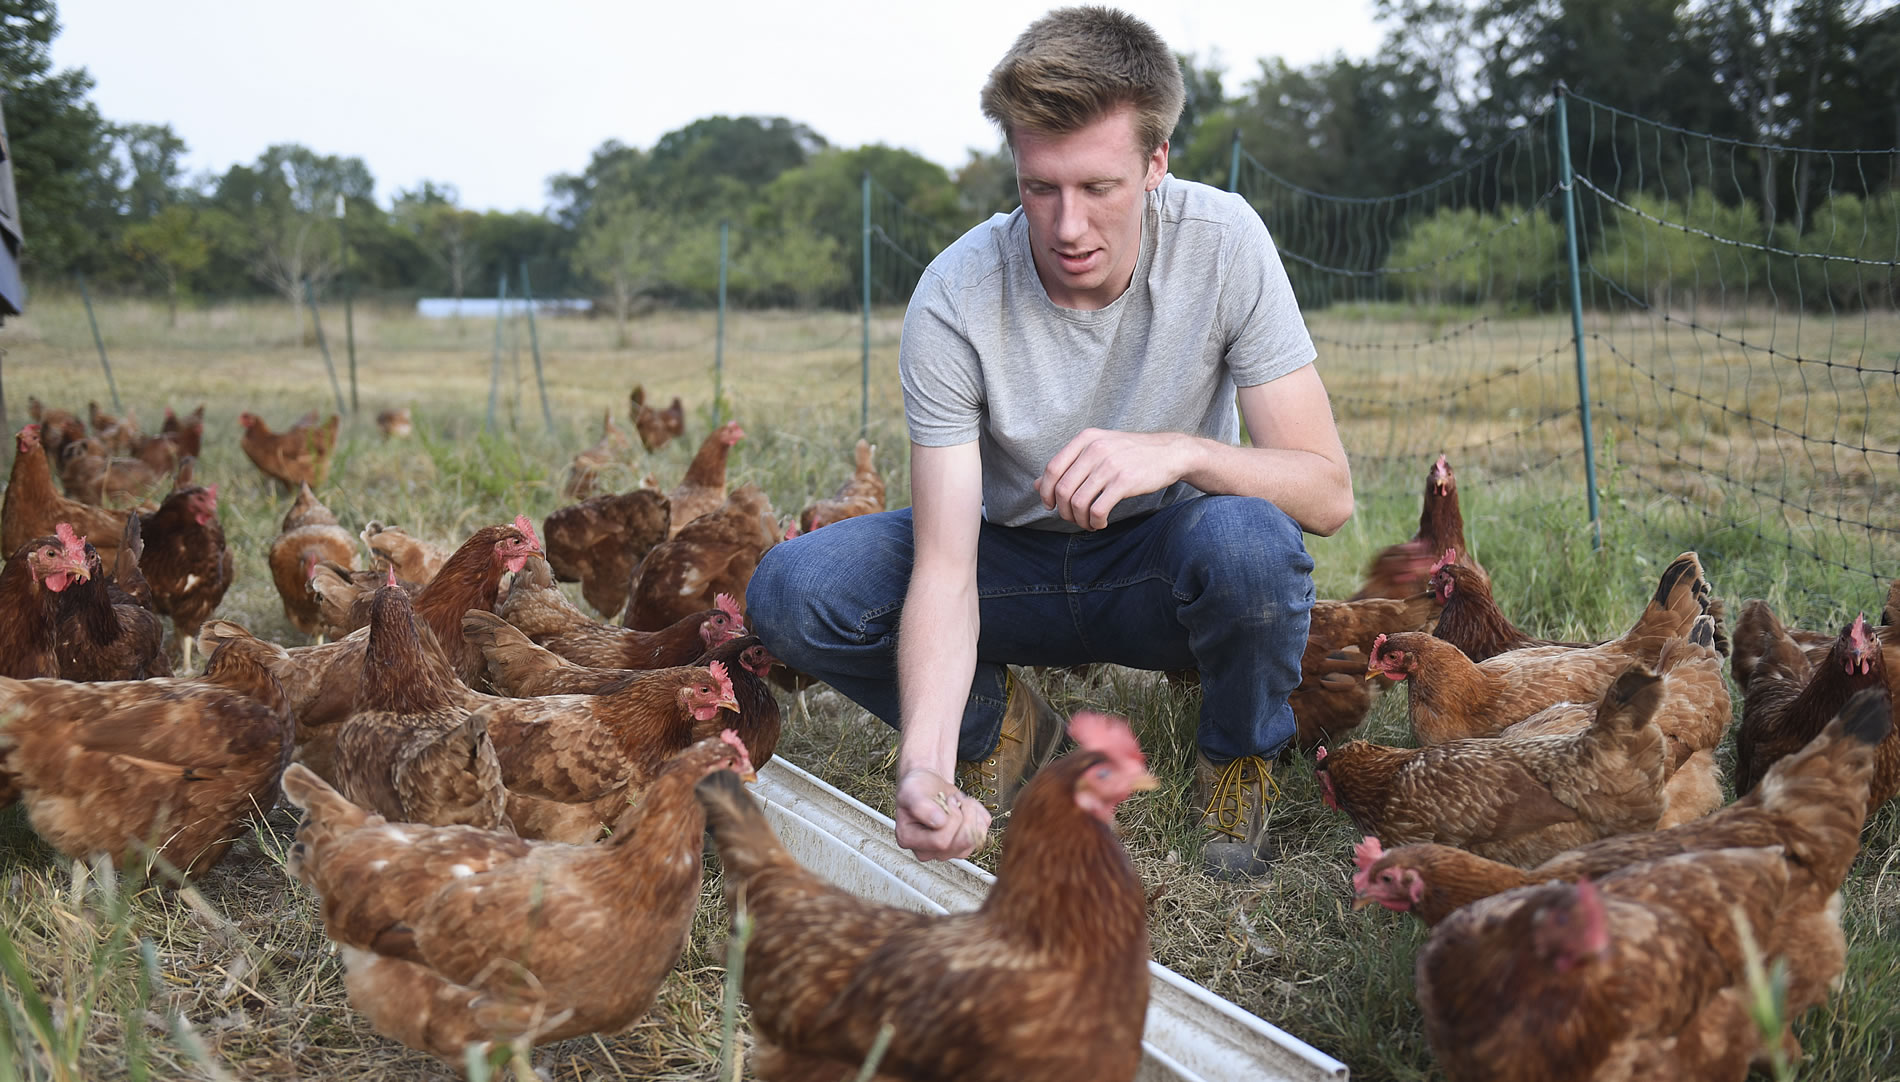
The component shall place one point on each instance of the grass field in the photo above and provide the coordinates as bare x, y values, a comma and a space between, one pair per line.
235, 979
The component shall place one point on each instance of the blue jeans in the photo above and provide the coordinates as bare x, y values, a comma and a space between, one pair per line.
1222, 584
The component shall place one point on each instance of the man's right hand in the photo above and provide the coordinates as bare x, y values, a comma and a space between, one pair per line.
935, 820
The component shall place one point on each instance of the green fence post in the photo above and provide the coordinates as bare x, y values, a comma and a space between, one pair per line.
534, 343
1565, 181
310, 298
864, 352
719, 335
111, 384
494, 373
349, 295
1233, 164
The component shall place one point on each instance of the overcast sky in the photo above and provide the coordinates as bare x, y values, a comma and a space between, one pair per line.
496, 97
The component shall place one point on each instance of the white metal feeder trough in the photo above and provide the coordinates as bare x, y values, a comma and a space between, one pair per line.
1192, 1035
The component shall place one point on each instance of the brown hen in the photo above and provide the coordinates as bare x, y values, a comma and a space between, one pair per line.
571, 762
186, 561
298, 455
1334, 695
545, 615
656, 427
1047, 980
414, 559
1643, 974
33, 509
715, 555
1451, 697
598, 542
104, 632
703, 488
1786, 704
30, 588
1796, 805
583, 474
454, 936
310, 536
170, 764
863, 494
519, 668
1517, 799
1399, 571
409, 750
320, 681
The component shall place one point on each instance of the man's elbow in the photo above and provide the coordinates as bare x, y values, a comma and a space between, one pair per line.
1333, 512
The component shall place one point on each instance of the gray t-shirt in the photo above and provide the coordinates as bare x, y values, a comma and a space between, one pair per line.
987, 356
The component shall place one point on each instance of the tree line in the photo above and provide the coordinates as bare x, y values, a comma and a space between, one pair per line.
639, 226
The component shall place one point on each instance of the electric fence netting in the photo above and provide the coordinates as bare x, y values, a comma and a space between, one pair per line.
1739, 319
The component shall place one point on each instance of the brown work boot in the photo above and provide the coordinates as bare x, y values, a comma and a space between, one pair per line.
1233, 797
1031, 731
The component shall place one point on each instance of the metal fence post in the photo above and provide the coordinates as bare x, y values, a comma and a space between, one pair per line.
864, 352
310, 298
719, 334
111, 384
349, 295
1566, 176
534, 343
1233, 164
494, 372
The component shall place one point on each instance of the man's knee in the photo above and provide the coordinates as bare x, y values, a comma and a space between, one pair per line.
816, 591
1252, 556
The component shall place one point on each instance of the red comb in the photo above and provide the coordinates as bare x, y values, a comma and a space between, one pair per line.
744, 765
1108, 734
1364, 856
391, 581
1441, 467
1319, 754
1450, 557
1378, 644
1367, 853
718, 669
527, 530
69, 538
725, 603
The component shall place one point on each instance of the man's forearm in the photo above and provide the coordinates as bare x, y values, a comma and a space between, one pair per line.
936, 659
1313, 490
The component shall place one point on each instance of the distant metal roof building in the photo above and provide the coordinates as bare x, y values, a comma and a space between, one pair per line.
486, 307
12, 289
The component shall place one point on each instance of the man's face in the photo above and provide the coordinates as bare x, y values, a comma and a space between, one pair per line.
1083, 194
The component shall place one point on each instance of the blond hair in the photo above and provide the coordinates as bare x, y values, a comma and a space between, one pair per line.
1074, 65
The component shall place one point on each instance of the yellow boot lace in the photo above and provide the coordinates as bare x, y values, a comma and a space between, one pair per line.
1227, 803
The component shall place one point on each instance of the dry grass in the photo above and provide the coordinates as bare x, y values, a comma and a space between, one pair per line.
259, 989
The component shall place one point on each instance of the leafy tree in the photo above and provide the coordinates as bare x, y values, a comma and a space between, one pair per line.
614, 169
175, 243
285, 207
986, 184
444, 230
1463, 255
154, 152
63, 170
626, 245
916, 209
716, 163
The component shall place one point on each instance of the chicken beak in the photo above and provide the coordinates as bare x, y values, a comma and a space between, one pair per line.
1373, 674
749, 777
729, 703
1144, 782
1361, 902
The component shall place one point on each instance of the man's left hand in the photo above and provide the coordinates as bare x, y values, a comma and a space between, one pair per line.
1099, 468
